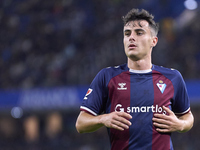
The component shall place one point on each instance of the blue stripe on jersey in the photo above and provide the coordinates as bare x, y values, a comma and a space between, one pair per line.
142, 96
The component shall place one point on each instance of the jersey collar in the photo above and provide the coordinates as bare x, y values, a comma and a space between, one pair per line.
140, 71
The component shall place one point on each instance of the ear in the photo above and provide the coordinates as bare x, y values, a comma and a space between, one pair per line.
154, 41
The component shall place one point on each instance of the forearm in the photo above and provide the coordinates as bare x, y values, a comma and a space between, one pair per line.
187, 122
87, 123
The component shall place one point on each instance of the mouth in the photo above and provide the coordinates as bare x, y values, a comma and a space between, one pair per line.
132, 46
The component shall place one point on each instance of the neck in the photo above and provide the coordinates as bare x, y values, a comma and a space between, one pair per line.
139, 64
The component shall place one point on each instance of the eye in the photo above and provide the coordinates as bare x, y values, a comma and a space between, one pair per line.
127, 33
140, 33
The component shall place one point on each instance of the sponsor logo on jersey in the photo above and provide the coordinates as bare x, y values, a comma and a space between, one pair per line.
122, 86
142, 109
161, 85
88, 93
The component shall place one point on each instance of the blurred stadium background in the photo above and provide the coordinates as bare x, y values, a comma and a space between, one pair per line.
50, 50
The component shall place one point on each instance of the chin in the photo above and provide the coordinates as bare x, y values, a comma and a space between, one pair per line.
134, 57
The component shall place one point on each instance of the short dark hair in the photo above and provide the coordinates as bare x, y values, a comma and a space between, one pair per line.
136, 14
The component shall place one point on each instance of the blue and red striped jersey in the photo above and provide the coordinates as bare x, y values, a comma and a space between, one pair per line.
141, 94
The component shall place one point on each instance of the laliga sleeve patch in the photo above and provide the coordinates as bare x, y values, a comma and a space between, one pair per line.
88, 93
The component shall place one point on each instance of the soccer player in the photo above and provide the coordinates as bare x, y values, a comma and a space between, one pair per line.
140, 103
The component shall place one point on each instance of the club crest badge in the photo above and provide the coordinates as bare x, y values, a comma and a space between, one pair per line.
161, 85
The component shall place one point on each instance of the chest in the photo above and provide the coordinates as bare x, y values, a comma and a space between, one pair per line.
139, 91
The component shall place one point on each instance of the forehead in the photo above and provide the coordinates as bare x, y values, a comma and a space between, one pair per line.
137, 24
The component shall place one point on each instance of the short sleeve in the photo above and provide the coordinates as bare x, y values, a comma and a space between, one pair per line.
181, 103
94, 100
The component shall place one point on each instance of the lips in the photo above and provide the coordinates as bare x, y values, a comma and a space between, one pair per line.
132, 46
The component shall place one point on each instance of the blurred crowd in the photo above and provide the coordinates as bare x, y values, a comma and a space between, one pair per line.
64, 42
52, 43
53, 130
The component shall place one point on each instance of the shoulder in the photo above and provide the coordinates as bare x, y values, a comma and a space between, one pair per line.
114, 70
168, 72
106, 74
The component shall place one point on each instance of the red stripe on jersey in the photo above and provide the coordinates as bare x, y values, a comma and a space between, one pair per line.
162, 97
119, 94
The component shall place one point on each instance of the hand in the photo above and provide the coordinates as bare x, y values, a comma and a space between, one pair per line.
116, 120
167, 123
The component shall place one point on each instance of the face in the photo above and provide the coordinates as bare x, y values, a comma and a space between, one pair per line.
138, 40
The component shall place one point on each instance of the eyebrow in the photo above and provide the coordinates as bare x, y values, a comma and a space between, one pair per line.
128, 30
140, 30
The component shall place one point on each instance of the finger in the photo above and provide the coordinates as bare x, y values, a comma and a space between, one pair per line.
125, 115
123, 120
162, 130
161, 121
161, 116
114, 126
119, 124
168, 110
161, 126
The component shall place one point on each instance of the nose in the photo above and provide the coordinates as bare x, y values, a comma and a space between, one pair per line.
132, 37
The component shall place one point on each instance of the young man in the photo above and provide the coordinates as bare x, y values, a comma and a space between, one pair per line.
140, 103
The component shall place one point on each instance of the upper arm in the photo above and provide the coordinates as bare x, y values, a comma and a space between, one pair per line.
188, 119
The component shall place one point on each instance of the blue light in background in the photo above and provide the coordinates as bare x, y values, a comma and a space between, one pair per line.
190, 4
